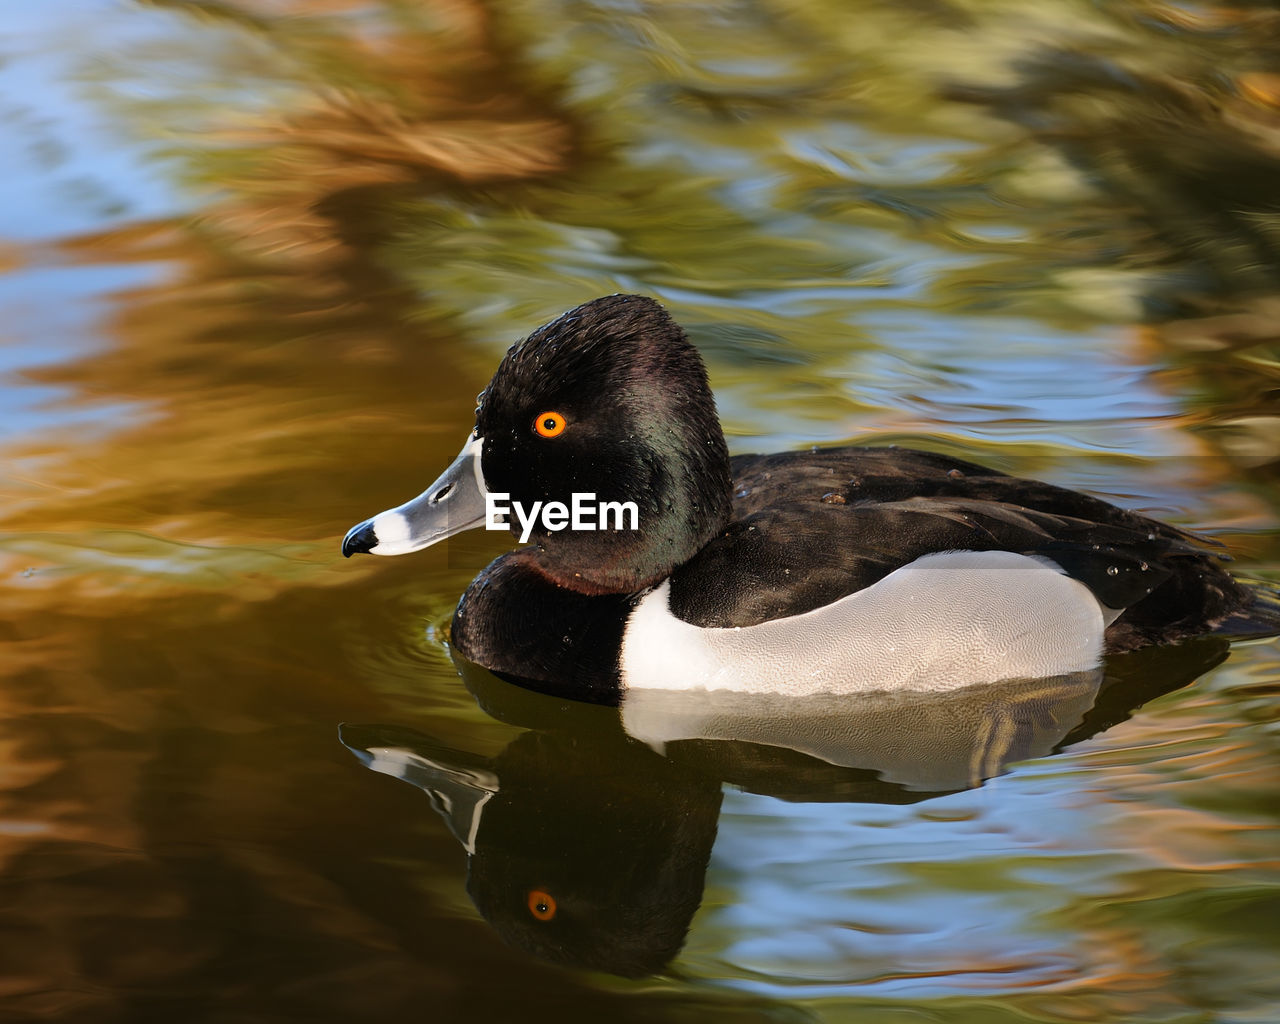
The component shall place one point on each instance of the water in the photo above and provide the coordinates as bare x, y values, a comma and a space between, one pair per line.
258, 259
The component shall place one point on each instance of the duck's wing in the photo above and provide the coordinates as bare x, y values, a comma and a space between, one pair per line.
813, 527
853, 475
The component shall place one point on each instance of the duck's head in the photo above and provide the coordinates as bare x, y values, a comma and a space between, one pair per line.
609, 400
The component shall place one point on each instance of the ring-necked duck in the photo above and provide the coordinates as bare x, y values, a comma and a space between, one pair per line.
832, 570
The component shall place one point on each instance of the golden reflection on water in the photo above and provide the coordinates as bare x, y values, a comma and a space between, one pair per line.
879, 222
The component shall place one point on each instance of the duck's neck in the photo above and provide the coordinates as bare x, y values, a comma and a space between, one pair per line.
682, 491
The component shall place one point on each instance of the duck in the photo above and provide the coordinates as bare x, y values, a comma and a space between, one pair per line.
836, 570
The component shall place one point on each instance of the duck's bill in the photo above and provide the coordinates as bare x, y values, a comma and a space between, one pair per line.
455, 502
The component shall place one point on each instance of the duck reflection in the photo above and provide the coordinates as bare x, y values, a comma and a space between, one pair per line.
583, 849
588, 837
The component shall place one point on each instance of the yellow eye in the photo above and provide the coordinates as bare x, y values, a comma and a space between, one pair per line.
549, 424
542, 905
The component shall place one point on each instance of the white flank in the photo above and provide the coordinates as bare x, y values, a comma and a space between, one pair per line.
947, 620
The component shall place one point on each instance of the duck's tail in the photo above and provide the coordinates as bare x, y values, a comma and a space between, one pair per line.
1257, 620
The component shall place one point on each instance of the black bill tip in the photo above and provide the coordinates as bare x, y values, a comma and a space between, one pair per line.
360, 540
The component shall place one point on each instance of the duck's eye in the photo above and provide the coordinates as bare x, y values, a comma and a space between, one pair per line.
549, 424
542, 905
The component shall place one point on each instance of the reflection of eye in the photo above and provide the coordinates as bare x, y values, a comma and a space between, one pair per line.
542, 905
549, 424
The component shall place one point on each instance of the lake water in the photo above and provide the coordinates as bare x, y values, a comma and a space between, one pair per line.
256, 260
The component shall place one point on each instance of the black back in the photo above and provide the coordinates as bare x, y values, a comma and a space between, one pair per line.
811, 527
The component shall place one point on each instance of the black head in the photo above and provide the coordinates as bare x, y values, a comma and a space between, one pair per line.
609, 399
